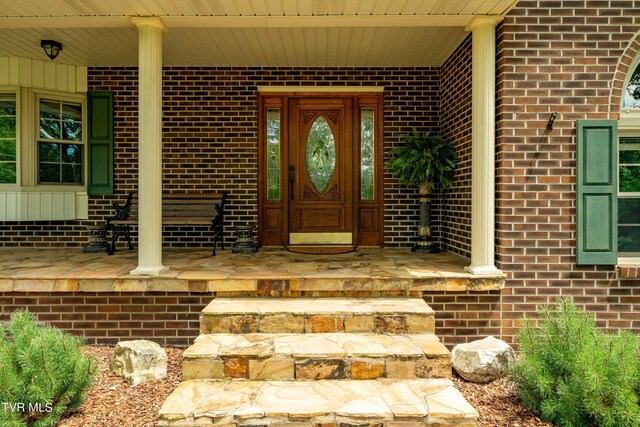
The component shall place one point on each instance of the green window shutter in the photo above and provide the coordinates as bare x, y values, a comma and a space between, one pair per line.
100, 115
597, 191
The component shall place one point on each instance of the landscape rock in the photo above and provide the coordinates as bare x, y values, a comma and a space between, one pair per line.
139, 361
483, 360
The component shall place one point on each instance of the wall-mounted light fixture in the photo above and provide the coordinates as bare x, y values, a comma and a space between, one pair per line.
551, 120
51, 47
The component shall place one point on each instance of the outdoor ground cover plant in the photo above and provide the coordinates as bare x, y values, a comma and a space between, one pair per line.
43, 374
574, 374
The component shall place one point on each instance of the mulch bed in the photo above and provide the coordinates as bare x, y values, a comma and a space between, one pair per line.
497, 404
113, 403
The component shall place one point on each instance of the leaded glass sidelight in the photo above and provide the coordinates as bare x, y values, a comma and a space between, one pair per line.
320, 154
367, 164
273, 154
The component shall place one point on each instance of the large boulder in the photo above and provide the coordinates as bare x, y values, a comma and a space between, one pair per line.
139, 361
482, 361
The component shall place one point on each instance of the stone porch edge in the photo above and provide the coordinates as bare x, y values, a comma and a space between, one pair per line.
163, 284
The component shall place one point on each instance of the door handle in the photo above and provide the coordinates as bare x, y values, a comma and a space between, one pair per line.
292, 179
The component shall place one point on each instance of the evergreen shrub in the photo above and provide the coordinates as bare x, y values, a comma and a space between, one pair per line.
43, 374
575, 375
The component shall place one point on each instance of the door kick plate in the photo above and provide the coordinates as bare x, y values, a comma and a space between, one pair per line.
320, 238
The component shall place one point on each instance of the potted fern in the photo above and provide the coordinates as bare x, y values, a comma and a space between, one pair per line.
424, 160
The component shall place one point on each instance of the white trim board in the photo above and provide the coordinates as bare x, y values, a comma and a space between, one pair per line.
245, 21
341, 89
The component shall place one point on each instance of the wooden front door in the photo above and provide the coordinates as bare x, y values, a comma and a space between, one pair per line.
320, 172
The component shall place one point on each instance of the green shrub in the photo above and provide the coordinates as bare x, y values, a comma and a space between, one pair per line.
573, 374
43, 375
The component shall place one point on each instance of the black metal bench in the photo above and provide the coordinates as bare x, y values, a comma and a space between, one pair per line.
177, 209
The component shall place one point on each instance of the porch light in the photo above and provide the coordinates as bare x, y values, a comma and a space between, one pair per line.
51, 47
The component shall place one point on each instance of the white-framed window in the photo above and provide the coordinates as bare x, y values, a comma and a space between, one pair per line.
42, 143
60, 145
629, 194
8, 138
629, 169
43, 146
56, 156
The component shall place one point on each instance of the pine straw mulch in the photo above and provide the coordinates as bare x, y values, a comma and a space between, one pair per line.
113, 403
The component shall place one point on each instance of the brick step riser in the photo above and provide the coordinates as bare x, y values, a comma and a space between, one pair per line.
415, 323
315, 368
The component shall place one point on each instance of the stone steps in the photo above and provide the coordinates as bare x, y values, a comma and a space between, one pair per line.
317, 315
382, 402
317, 362
316, 356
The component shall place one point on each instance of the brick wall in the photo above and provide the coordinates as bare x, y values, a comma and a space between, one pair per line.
210, 141
168, 318
172, 318
571, 57
454, 205
463, 317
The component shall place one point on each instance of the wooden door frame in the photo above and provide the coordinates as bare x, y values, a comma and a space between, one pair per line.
271, 212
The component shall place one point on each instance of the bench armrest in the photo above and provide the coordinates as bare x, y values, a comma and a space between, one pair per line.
122, 211
218, 219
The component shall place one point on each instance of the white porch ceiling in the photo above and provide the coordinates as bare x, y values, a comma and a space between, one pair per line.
243, 32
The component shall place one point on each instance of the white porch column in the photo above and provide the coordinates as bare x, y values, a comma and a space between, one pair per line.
483, 31
149, 145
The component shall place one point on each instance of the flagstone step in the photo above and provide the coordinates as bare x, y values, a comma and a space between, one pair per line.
317, 315
316, 356
380, 403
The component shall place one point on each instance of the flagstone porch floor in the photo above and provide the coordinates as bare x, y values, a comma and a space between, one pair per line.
194, 270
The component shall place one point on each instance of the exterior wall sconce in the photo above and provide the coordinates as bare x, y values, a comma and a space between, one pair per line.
551, 120
51, 47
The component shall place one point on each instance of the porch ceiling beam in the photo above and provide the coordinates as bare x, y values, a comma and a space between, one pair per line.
244, 21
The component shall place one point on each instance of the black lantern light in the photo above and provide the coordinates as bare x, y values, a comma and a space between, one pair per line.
51, 47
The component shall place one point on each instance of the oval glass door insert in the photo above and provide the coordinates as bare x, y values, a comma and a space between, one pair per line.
321, 154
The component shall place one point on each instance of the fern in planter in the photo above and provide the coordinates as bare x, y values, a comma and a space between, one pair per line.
424, 160
43, 374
